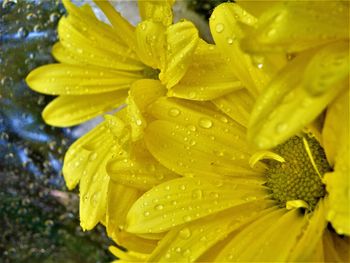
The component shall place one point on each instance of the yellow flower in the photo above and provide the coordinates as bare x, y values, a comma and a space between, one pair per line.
99, 62
304, 62
232, 203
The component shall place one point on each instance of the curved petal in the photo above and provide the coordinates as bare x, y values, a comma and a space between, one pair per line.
65, 79
269, 238
150, 37
336, 141
66, 110
139, 170
157, 11
186, 243
209, 76
181, 40
183, 200
193, 139
88, 41
225, 29
307, 243
141, 94
237, 105
122, 28
285, 107
94, 150
294, 26
336, 248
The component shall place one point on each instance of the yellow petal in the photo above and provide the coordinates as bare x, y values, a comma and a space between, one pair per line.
294, 26
88, 41
225, 30
335, 131
208, 76
183, 200
307, 243
68, 110
94, 150
285, 107
122, 28
195, 140
157, 11
127, 256
336, 248
120, 199
141, 94
269, 238
182, 39
139, 170
237, 105
150, 37
186, 243
329, 66
64, 79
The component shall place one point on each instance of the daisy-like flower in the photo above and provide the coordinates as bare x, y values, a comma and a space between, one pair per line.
99, 65
301, 90
233, 203
99, 62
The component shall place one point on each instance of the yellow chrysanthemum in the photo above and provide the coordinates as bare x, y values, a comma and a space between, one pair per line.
300, 87
99, 62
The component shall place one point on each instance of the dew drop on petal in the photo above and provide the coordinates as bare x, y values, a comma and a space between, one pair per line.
174, 112
205, 123
159, 207
185, 233
219, 27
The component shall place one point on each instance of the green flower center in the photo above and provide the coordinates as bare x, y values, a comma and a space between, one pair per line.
299, 177
151, 73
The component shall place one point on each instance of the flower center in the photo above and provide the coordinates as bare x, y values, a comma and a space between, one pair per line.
299, 177
151, 73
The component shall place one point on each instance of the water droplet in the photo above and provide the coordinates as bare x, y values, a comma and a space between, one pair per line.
219, 27
229, 40
205, 123
146, 213
185, 233
138, 122
174, 112
197, 194
159, 207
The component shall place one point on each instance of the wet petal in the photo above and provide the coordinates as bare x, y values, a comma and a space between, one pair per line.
329, 66
193, 139
141, 94
285, 107
94, 150
225, 28
157, 11
237, 105
183, 200
295, 26
186, 243
182, 39
263, 240
208, 76
64, 79
85, 40
139, 170
68, 110
128, 256
150, 37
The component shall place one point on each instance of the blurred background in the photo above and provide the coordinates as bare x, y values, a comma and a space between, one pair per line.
39, 219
